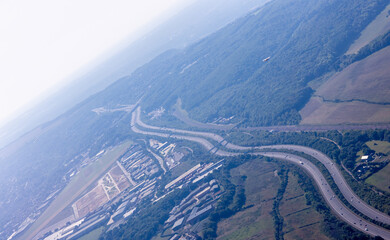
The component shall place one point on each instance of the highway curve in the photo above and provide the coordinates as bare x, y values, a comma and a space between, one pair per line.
333, 201
341, 183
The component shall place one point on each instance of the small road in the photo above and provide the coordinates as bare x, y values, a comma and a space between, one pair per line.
334, 202
330, 140
159, 159
127, 174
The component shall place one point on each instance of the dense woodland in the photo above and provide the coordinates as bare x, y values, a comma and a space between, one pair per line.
375, 45
224, 75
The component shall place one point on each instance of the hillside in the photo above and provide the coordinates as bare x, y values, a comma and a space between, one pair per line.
222, 75
191, 24
361, 81
380, 25
358, 94
68, 130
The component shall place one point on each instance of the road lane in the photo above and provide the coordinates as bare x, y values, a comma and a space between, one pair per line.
213, 136
199, 140
334, 202
341, 183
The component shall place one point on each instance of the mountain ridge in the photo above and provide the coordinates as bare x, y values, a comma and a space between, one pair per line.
219, 76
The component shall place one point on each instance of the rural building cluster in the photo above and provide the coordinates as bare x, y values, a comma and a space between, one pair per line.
168, 151
131, 180
195, 207
369, 164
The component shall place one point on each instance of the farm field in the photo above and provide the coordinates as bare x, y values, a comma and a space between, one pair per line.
91, 201
346, 97
379, 26
318, 112
166, 235
66, 213
183, 167
365, 80
381, 179
119, 177
261, 187
94, 235
256, 222
301, 221
76, 187
109, 186
379, 146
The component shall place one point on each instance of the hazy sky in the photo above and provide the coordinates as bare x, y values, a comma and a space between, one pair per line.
43, 41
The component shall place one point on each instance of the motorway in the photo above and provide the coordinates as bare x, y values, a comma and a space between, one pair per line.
271, 151
281, 128
341, 183
333, 201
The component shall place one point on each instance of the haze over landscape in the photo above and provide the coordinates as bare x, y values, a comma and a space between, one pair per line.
223, 119
51, 40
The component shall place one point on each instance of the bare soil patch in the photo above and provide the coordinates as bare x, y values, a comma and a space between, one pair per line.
91, 201
119, 178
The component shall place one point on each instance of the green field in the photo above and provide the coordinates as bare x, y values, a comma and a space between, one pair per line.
316, 111
380, 25
94, 235
379, 146
348, 99
301, 221
183, 167
351, 83
87, 176
167, 233
381, 179
256, 221
183, 116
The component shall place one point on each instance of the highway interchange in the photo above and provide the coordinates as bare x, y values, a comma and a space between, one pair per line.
333, 201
